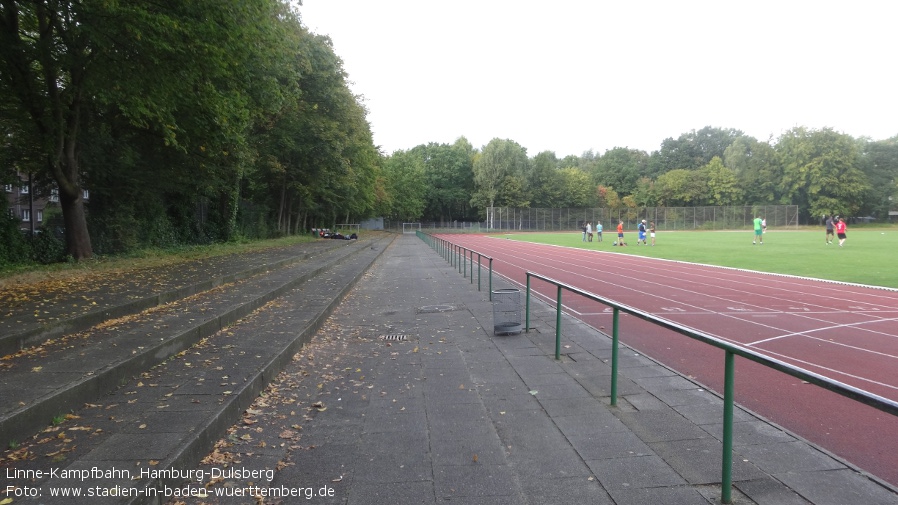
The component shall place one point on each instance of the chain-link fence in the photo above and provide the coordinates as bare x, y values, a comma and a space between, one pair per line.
665, 218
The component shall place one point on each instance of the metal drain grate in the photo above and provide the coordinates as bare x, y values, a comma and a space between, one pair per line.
394, 338
430, 309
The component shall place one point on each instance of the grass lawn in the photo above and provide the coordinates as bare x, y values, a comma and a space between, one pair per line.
870, 255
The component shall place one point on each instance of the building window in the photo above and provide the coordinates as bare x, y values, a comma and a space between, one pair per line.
40, 216
8, 188
85, 195
26, 215
54, 195
23, 189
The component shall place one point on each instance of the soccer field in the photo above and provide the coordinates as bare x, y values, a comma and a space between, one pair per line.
868, 257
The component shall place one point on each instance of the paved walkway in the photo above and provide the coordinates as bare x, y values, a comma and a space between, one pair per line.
452, 413
405, 395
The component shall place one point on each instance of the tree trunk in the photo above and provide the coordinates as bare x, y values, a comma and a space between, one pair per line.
64, 167
281, 226
77, 237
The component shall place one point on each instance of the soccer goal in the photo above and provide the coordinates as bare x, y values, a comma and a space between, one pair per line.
411, 227
347, 229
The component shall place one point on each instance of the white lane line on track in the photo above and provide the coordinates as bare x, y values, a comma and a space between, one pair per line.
808, 333
825, 290
810, 365
570, 260
577, 254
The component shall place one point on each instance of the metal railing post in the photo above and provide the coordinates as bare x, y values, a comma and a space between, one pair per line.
464, 262
614, 347
726, 480
527, 306
479, 260
491, 279
558, 326
472, 267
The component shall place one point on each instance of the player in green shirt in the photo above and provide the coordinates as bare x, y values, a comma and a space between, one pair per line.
759, 231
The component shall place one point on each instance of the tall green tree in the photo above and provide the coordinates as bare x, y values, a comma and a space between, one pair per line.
757, 169
621, 168
544, 181
681, 188
498, 159
879, 161
645, 194
450, 179
695, 149
820, 172
722, 183
406, 182
578, 188
70, 64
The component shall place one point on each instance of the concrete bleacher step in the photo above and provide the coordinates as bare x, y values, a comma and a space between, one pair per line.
61, 308
46, 382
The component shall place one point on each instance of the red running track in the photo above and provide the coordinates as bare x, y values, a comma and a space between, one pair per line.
845, 332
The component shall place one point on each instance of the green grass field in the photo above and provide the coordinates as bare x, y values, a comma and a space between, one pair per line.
870, 256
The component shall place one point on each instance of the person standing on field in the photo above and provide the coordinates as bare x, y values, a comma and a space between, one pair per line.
759, 231
599, 231
829, 230
652, 232
641, 236
620, 233
840, 230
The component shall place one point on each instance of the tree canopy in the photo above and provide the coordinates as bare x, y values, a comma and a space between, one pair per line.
202, 120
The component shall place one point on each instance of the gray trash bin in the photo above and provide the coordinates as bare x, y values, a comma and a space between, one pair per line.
506, 311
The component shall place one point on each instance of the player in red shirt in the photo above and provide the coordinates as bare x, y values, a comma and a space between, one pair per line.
840, 230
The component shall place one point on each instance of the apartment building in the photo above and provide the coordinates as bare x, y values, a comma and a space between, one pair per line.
27, 206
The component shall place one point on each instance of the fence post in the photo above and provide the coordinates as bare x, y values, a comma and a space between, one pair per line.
464, 262
614, 345
527, 306
479, 259
491, 279
726, 481
472, 267
558, 326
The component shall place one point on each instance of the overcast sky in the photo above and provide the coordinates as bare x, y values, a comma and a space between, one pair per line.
573, 75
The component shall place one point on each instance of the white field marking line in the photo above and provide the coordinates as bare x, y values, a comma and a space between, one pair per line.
877, 317
699, 308
838, 293
818, 292
832, 370
693, 278
725, 314
644, 292
765, 351
737, 316
773, 274
732, 317
856, 325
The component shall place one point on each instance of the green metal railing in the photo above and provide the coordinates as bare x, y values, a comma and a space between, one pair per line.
730, 351
460, 257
